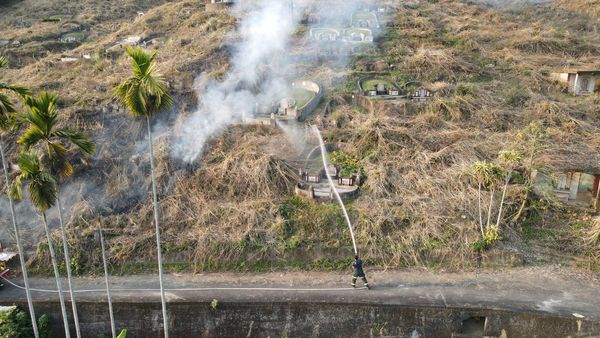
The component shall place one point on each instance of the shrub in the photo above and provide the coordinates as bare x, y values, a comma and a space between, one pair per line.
15, 323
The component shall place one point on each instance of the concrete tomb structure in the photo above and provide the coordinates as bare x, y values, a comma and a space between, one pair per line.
365, 19
216, 5
304, 96
379, 87
315, 184
421, 94
580, 82
345, 37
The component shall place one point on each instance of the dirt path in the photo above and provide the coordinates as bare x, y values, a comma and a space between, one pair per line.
549, 289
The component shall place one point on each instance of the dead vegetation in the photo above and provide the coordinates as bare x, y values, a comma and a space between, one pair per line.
235, 210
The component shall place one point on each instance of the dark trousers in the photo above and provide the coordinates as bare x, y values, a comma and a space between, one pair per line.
364, 278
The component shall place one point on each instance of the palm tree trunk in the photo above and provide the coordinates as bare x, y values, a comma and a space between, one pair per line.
502, 199
480, 211
20, 248
158, 246
489, 218
61, 297
63, 233
110, 307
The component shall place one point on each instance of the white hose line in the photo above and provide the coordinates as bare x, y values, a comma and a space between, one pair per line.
182, 289
335, 192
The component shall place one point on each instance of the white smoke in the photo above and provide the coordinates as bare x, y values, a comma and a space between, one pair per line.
264, 39
260, 71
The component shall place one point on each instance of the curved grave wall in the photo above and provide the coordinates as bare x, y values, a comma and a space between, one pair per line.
311, 105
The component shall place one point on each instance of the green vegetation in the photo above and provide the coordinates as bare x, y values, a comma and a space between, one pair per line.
420, 206
15, 323
213, 304
302, 96
348, 164
371, 84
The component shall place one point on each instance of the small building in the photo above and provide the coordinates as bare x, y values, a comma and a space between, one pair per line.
580, 82
569, 174
577, 187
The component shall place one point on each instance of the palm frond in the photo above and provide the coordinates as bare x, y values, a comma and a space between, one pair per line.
57, 158
21, 90
32, 136
3, 61
6, 106
42, 185
15, 190
42, 191
79, 139
145, 93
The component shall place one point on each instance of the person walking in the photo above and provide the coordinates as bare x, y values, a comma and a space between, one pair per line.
358, 272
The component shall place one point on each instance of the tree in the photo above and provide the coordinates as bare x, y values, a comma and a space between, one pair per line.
43, 132
43, 195
509, 161
493, 177
486, 175
478, 172
145, 94
7, 111
532, 138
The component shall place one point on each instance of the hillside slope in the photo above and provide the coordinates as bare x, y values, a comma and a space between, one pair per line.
234, 209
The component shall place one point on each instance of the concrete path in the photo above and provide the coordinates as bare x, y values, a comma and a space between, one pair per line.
549, 289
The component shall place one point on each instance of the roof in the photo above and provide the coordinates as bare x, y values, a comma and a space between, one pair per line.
578, 158
581, 71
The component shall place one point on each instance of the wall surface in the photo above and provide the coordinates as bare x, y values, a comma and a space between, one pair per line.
306, 319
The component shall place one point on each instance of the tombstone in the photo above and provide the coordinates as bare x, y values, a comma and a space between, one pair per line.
313, 178
372, 93
394, 92
421, 94
380, 89
332, 170
349, 181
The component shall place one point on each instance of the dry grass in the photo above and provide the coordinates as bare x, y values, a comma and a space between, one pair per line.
417, 206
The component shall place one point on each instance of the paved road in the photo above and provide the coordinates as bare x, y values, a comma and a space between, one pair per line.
550, 289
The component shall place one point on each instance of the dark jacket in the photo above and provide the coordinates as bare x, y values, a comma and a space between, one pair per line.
358, 269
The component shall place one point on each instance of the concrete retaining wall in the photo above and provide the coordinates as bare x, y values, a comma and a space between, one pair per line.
308, 108
299, 319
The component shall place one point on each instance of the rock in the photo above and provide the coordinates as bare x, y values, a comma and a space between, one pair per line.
4, 43
381, 66
133, 40
16, 43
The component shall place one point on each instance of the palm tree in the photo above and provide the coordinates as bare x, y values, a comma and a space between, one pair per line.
145, 94
510, 160
43, 132
43, 195
6, 121
486, 175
